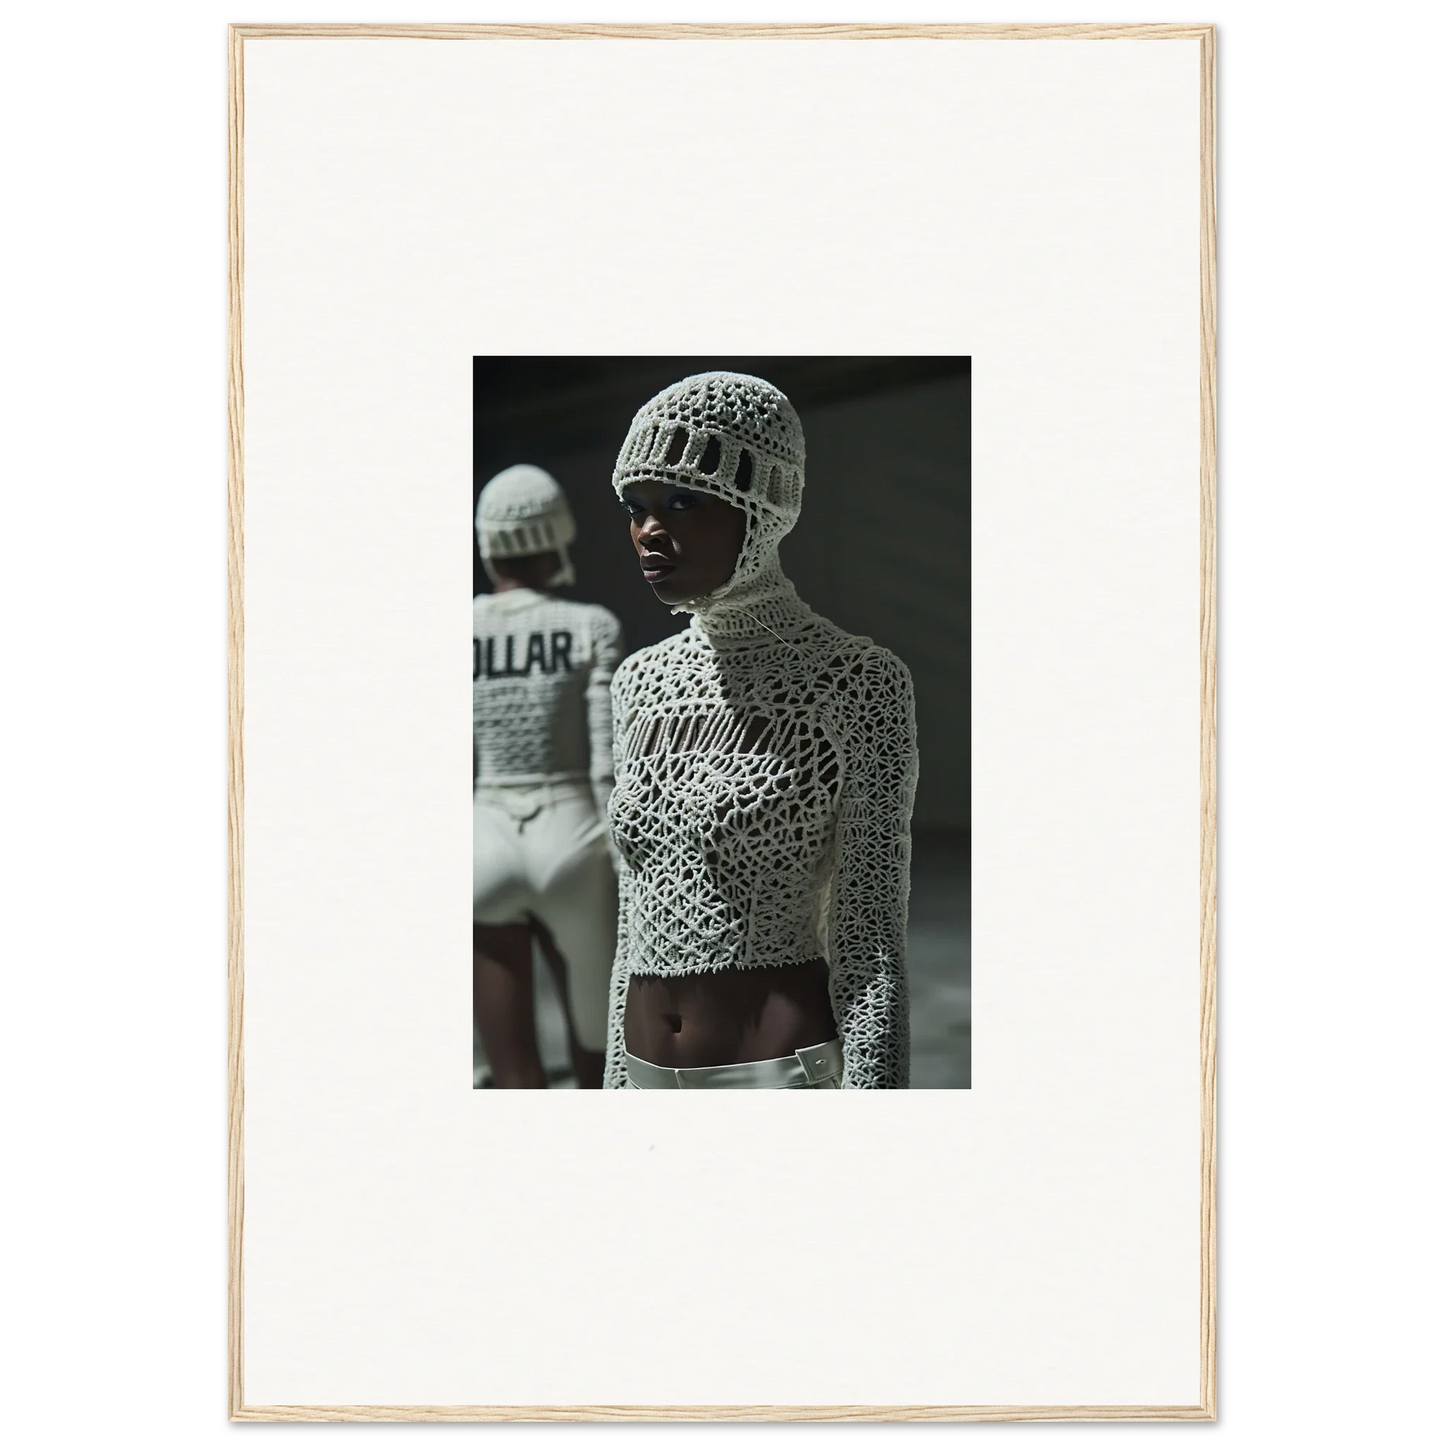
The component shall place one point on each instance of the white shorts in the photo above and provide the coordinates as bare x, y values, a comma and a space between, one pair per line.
540, 849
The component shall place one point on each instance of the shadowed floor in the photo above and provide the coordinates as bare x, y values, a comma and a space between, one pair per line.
939, 974
939, 962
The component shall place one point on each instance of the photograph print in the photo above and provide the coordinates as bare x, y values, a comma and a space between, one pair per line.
721, 723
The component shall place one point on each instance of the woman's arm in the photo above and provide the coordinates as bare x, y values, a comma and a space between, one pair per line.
606, 654
868, 902
615, 1069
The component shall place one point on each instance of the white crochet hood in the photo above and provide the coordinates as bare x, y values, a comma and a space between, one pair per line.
738, 438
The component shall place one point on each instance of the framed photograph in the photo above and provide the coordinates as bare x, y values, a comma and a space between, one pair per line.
551, 425
837, 407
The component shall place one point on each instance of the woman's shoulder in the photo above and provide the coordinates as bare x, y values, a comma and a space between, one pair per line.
860, 676
843, 655
653, 663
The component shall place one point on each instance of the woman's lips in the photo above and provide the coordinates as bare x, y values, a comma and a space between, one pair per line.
655, 567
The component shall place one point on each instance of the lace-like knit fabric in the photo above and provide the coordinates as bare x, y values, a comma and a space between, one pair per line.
541, 670
765, 759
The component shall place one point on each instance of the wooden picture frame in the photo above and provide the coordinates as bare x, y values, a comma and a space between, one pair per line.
1203, 1407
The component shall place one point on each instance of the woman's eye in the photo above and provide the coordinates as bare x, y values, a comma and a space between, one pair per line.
682, 501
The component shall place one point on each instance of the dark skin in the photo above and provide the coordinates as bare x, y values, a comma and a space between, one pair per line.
687, 544
504, 1005
503, 999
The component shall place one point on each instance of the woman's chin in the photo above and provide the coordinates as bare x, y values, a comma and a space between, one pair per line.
685, 584
673, 591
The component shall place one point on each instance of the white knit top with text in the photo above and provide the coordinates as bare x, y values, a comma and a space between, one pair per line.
541, 669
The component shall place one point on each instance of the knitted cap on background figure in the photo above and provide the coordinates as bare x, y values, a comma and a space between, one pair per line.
522, 512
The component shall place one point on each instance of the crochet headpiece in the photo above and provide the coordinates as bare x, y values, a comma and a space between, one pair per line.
521, 512
735, 436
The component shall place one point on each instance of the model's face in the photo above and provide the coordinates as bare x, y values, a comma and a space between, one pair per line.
687, 541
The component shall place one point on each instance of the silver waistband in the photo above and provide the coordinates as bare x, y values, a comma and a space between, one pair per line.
812, 1067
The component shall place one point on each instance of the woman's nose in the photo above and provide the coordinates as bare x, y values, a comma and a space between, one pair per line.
651, 527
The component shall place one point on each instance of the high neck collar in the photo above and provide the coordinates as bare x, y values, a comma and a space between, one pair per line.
765, 603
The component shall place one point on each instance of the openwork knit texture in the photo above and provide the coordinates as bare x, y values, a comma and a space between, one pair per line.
766, 763
541, 672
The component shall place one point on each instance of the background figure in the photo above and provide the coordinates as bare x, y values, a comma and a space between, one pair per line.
888, 557
542, 769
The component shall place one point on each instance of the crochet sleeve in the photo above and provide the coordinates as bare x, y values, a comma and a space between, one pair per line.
606, 653
868, 899
615, 1066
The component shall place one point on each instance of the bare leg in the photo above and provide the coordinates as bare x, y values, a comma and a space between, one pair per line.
587, 1064
504, 1005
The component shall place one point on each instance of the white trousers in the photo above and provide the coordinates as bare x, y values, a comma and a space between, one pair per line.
817, 1066
541, 849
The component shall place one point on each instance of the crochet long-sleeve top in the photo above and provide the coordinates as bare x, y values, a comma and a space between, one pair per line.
765, 769
541, 672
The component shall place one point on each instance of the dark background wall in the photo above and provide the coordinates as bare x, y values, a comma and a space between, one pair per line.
882, 547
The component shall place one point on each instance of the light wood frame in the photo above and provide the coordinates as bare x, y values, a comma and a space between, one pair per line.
1205, 1408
